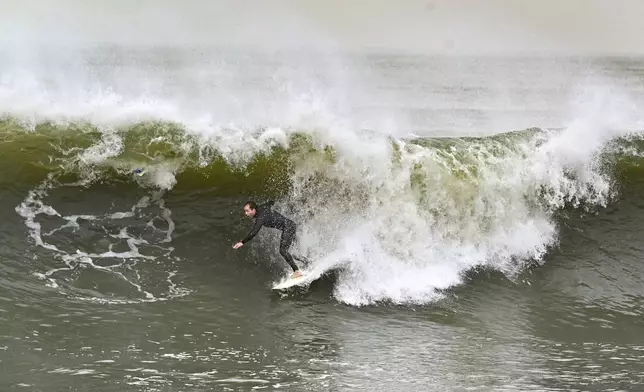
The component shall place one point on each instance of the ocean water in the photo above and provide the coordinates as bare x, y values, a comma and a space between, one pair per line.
474, 221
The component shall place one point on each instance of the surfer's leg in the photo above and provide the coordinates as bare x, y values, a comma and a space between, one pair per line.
288, 235
302, 259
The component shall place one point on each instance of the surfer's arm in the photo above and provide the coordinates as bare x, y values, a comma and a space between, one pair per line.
258, 225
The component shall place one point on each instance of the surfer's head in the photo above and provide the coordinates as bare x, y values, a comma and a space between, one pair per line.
250, 208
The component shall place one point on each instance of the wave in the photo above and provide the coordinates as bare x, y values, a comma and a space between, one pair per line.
400, 219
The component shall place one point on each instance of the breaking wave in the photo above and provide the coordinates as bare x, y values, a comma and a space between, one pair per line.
399, 219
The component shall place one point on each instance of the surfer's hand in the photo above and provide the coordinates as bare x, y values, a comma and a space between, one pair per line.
237, 245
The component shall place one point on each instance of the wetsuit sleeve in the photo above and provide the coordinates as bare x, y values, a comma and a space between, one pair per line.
258, 225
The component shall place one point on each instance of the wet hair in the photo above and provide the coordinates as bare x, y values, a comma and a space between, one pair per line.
251, 204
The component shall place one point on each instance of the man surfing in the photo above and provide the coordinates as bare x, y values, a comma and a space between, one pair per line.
265, 216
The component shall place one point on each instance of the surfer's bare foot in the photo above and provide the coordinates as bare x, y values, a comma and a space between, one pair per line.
296, 274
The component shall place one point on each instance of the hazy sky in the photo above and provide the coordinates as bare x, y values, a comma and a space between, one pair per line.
445, 26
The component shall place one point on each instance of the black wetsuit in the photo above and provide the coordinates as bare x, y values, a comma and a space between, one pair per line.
269, 218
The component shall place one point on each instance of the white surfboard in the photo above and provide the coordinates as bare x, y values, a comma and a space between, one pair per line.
290, 282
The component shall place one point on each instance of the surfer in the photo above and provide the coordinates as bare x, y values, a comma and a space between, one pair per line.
265, 216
